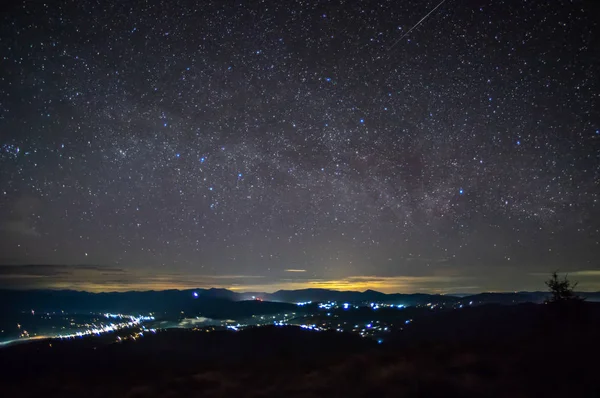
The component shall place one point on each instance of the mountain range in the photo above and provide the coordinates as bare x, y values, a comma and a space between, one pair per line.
373, 296
229, 303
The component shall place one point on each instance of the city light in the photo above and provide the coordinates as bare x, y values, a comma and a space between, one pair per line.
125, 321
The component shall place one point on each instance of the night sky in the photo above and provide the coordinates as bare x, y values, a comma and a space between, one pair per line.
287, 144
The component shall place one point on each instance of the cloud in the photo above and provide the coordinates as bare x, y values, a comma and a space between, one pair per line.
32, 270
21, 220
590, 272
20, 227
433, 260
295, 270
386, 284
96, 278
586, 273
588, 280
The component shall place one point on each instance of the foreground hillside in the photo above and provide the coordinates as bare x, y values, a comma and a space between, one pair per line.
555, 356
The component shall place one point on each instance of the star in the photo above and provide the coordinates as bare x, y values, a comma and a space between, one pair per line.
118, 140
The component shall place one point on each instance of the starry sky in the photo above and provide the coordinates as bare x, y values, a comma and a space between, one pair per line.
287, 144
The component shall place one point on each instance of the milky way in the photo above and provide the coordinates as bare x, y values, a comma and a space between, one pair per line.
245, 139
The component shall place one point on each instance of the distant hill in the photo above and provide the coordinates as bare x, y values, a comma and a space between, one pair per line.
210, 303
522, 297
223, 303
368, 296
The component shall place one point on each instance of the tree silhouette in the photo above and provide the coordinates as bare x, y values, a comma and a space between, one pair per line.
562, 290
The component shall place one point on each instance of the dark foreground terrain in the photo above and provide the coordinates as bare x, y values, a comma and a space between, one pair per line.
515, 351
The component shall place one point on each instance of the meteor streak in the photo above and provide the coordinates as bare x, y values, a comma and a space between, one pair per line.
417, 24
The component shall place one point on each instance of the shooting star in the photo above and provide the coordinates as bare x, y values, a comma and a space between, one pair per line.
417, 24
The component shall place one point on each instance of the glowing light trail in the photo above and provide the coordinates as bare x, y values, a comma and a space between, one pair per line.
417, 24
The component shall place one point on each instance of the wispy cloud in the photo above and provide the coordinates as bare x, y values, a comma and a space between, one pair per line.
589, 272
102, 279
96, 278
20, 227
20, 221
583, 273
34, 270
387, 284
